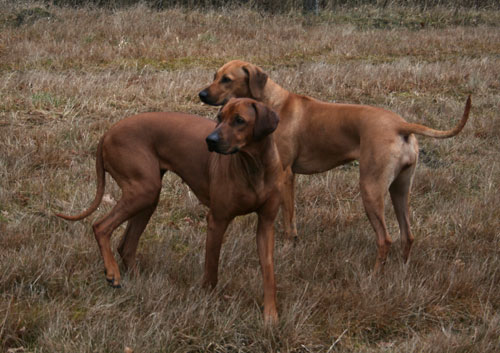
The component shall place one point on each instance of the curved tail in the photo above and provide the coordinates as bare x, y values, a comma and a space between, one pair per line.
101, 182
409, 128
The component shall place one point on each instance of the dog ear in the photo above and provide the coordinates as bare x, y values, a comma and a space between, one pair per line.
266, 121
256, 80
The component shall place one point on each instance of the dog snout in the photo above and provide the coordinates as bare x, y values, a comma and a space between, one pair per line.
209, 98
212, 141
203, 95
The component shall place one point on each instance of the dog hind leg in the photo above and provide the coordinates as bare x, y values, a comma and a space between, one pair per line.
130, 239
375, 177
400, 194
136, 197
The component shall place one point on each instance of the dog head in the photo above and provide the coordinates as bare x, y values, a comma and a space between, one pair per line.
240, 123
236, 79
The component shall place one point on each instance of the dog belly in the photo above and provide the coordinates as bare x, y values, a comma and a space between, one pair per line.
317, 166
318, 161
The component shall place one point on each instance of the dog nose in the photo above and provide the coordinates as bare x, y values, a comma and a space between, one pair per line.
212, 141
203, 95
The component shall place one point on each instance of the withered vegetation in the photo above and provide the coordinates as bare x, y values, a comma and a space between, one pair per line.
67, 74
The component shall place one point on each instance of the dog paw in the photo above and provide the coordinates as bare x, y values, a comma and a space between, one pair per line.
113, 284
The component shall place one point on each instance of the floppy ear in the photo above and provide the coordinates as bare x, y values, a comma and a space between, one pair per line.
256, 80
266, 121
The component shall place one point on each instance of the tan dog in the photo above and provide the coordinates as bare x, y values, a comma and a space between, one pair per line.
315, 136
245, 175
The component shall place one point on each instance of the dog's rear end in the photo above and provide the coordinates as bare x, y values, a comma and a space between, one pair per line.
136, 152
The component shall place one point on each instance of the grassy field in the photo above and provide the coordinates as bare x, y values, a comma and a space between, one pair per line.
66, 75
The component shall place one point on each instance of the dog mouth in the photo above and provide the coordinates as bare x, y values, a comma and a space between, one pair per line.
222, 149
212, 147
231, 151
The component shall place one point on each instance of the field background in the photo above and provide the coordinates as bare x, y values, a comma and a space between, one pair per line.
68, 73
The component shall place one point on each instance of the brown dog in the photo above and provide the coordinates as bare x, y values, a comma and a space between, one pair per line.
315, 136
245, 175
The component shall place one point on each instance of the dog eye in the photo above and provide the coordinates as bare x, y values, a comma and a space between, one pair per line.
239, 120
225, 79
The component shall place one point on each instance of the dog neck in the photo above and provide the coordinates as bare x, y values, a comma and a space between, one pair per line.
258, 156
274, 95
253, 164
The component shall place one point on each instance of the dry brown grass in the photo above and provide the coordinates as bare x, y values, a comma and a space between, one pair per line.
66, 77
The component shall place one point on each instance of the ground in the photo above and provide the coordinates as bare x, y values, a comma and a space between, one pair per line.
67, 74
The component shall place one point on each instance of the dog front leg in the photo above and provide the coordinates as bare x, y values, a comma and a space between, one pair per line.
215, 234
288, 205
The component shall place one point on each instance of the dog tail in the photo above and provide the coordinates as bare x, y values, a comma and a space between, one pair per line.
409, 128
101, 182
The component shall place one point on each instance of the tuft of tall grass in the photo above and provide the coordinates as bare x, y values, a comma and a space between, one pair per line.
67, 76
